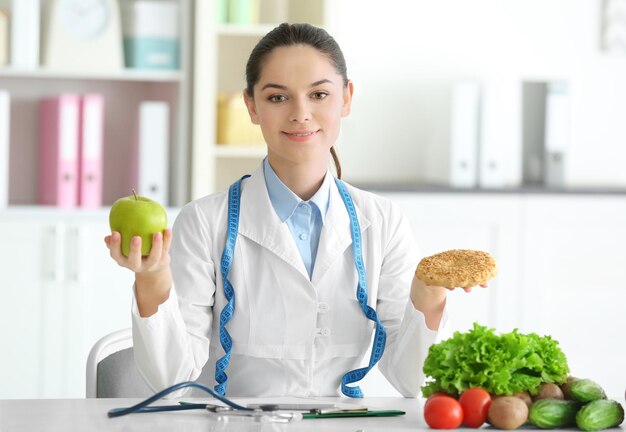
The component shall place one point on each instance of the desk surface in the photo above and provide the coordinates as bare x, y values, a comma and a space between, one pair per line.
89, 415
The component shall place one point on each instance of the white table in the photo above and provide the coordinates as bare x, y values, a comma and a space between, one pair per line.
87, 415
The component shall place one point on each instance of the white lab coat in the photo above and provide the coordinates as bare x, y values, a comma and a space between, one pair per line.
291, 335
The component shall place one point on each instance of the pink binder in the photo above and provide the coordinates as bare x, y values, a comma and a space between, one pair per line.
90, 151
58, 150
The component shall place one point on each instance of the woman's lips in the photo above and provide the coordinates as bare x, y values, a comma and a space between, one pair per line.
301, 136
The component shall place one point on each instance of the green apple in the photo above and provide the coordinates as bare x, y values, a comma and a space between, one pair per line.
137, 216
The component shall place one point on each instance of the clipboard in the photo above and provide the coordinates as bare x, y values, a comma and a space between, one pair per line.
331, 412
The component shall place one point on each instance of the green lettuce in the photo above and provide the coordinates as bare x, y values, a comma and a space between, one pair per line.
501, 364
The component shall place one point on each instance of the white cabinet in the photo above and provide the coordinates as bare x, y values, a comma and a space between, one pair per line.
560, 263
472, 221
24, 291
60, 293
573, 281
561, 268
466, 221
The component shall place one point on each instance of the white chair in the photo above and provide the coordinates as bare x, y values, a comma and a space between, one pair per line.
111, 370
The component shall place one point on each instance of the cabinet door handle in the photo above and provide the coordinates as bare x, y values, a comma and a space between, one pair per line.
54, 254
76, 270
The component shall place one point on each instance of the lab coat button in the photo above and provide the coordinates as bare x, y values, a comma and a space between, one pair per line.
323, 307
324, 331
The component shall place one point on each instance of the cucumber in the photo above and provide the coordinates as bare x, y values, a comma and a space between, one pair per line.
586, 390
553, 413
600, 414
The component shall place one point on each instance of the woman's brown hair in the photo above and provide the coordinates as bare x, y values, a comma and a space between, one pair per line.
296, 34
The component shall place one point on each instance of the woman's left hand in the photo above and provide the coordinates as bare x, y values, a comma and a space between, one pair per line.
466, 289
431, 300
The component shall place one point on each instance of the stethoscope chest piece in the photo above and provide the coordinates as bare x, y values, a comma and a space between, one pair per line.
263, 414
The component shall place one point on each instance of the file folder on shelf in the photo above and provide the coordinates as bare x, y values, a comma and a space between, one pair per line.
5, 115
545, 136
557, 133
447, 117
464, 134
58, 150
500, 149
152, 151
90, 151
533, 132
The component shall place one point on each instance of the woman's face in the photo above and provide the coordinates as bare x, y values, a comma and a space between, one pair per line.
299, 102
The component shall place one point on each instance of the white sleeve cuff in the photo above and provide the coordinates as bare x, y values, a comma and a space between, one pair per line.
404, 368
165, 308
416, 317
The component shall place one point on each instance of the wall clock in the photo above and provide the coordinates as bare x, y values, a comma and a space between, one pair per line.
83, 35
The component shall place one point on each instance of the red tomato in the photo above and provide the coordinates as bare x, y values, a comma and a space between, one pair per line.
475, 403
436, 395
443, 412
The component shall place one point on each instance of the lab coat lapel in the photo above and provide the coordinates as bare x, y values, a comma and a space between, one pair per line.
259, 222
336, 234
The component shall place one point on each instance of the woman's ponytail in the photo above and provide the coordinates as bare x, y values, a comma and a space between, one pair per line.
333, 153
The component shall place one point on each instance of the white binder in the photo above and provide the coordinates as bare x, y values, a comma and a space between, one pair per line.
25, 25
464, 134
449, 124
153, 151
500, 150
557, 133
5, 123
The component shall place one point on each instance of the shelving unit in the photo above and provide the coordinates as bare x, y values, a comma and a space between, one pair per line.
123, 91
60, 286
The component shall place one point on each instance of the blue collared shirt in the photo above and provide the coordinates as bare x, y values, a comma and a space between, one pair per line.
305, 219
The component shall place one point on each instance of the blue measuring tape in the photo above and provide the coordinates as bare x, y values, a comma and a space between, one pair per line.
234, 201
380, 336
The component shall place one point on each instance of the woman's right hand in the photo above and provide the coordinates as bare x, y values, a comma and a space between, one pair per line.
157, 261
153, 277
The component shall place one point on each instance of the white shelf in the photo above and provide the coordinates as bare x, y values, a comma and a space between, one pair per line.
240, 151
123, 75
41, 212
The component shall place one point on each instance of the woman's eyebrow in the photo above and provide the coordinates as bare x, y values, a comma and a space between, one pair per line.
282, 87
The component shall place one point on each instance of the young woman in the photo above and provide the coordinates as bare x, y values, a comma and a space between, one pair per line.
280, 282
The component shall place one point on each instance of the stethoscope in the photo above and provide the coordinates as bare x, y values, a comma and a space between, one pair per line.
378, 346
264, 413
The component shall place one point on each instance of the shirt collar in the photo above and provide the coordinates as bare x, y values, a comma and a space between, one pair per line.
285, 201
